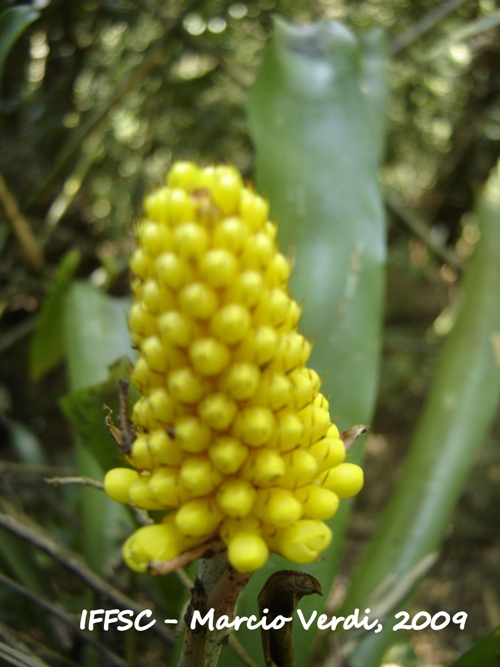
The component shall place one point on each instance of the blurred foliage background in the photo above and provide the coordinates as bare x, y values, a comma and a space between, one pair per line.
96, 102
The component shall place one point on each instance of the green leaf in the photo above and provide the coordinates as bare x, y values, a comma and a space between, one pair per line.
458, 413
483, 654
96, 334
13, 22
317, 121
47, 344
84, 408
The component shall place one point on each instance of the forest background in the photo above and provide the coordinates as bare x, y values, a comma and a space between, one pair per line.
97, 100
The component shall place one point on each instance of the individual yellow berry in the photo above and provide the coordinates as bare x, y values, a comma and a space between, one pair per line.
304, 541
199, 476
247, 289
274, 390
305, 385
198, 301
162, 405
141, 264
199, 517
316, 421
117, 483
254, 426
277, 272
157, 299
289, 430
173, 271
241, 380
177, 328
264, 467
346, 480
157, 542
277, 506
247, 552
227, 454
209, 356
186, 386
231, 234
190, 240
253, 210
328, 452
164, 486
226, 190
231, 323
164, 449
183, 175
180, 207
142, 321
154, 238
191, 434
140, 495
140, 456
218, 411
235, 497
301, 468
318, 502
218, 268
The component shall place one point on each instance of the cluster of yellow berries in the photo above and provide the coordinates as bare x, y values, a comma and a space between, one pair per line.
233, 437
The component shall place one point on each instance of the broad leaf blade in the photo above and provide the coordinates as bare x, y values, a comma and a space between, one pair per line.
317, 119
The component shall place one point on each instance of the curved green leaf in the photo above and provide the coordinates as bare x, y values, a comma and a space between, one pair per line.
485, 653
13, 22
458, 413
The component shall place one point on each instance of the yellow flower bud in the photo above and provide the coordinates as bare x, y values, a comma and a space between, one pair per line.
235, 497
277, 506
304, 541
345, 480
199, 517
227, 454
117, 483
247, 552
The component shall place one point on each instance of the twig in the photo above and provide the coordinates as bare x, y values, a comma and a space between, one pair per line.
62, 616
30, 248
84, 481
427, 22
23, 528
160, 567
423, 232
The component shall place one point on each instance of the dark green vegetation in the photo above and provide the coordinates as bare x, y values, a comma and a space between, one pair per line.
96, 101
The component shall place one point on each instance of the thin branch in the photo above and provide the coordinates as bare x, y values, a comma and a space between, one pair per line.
33, 534
61, 616
422, 230
31, 250
160, 567
84, 481
425, 24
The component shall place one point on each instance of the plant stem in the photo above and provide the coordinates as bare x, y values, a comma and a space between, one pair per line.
217, 587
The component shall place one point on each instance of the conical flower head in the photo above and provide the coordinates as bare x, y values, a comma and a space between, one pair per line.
233, 437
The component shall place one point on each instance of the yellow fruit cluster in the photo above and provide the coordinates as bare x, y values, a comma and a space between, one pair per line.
233, 437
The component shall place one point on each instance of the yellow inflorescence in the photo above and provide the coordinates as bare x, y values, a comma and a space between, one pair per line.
233, 436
